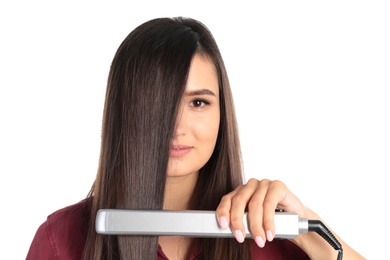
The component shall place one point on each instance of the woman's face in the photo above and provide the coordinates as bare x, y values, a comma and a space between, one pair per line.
197, 125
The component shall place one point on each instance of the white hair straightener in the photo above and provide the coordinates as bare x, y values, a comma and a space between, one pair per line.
185, 223
197, 223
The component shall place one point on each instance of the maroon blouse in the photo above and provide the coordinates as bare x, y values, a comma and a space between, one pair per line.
63, 234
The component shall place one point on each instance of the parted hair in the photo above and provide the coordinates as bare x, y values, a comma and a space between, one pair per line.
145, 84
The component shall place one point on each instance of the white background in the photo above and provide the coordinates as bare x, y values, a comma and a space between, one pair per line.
310, 80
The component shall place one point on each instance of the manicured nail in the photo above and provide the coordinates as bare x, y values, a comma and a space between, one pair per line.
269, 236
239, 236
223, 222
259, 241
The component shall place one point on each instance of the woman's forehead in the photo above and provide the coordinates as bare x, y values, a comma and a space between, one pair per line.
202, 75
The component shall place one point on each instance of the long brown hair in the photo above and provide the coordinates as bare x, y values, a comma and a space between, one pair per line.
146, 82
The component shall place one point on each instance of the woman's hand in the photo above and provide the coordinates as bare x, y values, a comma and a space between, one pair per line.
260, 199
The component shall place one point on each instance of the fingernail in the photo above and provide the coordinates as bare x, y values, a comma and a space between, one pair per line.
269, 236
239, 236
223, 222
259, 241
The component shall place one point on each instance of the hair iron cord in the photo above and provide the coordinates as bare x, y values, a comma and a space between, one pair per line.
320, 228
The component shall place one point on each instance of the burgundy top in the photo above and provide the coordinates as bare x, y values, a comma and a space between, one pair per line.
63, 234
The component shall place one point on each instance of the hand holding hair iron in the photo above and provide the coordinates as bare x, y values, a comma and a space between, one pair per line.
197, 223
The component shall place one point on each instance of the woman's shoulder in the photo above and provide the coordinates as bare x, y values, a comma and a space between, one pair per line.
279, 249
63, 233
71, 214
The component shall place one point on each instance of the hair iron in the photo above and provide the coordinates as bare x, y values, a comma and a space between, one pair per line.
198, 223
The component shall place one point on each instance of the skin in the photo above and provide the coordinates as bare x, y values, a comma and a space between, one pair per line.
196, 133
262, 198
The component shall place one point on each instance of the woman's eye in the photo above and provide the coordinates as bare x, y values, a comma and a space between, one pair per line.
198, 103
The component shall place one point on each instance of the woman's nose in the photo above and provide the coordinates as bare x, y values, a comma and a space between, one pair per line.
181, 126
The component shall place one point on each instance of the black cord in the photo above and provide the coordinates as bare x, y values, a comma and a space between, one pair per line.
323, 231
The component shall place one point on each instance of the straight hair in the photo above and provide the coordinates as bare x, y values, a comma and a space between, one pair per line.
146, 82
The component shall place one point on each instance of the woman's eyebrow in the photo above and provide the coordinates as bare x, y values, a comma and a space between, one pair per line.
200, 92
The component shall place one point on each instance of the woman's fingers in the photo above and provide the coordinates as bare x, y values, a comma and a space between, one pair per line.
238, 207
232, 207
260, 199
223, 211
276, 193
256, 212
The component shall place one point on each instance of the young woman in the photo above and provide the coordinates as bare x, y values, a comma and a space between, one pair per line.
170, 141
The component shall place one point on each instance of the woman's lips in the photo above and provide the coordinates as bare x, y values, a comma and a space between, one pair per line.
179, 150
